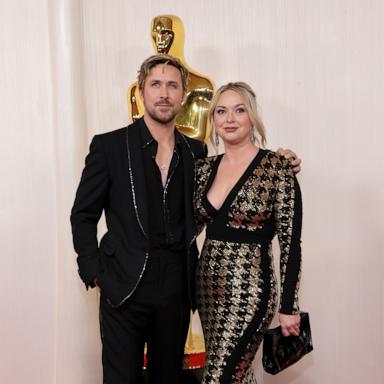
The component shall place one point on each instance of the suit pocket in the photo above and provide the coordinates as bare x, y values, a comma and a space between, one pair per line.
107, 245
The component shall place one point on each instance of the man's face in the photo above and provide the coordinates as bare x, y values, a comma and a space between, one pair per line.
163, 93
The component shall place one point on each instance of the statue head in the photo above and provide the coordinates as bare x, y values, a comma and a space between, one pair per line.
167, 32
162, 33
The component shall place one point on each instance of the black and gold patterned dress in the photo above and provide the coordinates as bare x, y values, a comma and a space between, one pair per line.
236, 286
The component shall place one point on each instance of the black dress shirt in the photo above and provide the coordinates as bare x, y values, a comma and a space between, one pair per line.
165, 204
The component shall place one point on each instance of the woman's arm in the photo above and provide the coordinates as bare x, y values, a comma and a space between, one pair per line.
288, 218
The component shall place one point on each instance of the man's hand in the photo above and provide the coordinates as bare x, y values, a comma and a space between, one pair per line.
292, 157
290, 324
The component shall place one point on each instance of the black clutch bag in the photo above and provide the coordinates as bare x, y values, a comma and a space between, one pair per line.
279, 352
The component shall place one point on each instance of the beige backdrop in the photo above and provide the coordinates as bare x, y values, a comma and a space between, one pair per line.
318, 70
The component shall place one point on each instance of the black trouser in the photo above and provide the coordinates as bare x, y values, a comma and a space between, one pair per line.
157, 313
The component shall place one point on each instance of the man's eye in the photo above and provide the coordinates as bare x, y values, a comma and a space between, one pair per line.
155, 84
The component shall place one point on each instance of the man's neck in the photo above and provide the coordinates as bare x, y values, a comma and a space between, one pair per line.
162, 133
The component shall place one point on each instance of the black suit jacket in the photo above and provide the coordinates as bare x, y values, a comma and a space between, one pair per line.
113, 180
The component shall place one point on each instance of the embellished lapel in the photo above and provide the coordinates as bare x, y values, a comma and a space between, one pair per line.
136, 175
189, 183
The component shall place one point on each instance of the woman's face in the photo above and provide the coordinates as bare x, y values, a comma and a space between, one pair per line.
231, 119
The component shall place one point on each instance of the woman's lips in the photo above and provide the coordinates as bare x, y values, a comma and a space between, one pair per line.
230, 129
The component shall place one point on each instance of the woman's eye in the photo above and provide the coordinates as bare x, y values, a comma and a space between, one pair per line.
220, 111
240, 110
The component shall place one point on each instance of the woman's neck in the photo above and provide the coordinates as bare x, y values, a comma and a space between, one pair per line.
237, 154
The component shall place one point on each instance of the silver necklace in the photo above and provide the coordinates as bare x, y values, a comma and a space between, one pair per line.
164, 167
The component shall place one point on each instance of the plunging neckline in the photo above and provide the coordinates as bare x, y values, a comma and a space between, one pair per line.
236, 187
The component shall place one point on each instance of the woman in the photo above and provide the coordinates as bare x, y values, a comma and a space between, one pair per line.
244, 197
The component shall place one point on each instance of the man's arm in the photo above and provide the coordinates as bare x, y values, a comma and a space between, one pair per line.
292, 157
87, 209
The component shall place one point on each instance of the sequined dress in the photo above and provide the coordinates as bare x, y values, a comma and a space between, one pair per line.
236, 286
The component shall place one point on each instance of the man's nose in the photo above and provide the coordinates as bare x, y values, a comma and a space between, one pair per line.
164, 91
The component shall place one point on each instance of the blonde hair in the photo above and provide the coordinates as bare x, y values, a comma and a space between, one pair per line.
155, 60
249, 99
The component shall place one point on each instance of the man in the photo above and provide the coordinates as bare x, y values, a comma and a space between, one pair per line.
142, 177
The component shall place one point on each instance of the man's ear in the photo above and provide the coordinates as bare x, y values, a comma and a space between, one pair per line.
184, 97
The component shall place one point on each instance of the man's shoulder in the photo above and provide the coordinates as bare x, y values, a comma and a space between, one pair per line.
121, 131
118, 135
111, 140
110, 135
193, 142
198, 148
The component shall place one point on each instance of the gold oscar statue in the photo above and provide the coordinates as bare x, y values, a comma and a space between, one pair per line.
167, 33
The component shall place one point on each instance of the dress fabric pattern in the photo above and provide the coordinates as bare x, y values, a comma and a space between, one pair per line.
236, 285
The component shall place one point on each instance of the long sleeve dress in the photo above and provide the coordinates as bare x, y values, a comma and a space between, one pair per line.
236, 285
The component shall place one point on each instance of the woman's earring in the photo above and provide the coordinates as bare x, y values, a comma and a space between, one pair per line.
252, 134
217, 142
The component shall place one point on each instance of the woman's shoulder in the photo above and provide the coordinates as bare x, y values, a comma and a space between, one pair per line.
274, 160
205, 163
203, 170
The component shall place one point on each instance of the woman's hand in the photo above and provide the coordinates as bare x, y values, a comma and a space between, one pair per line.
290, 324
